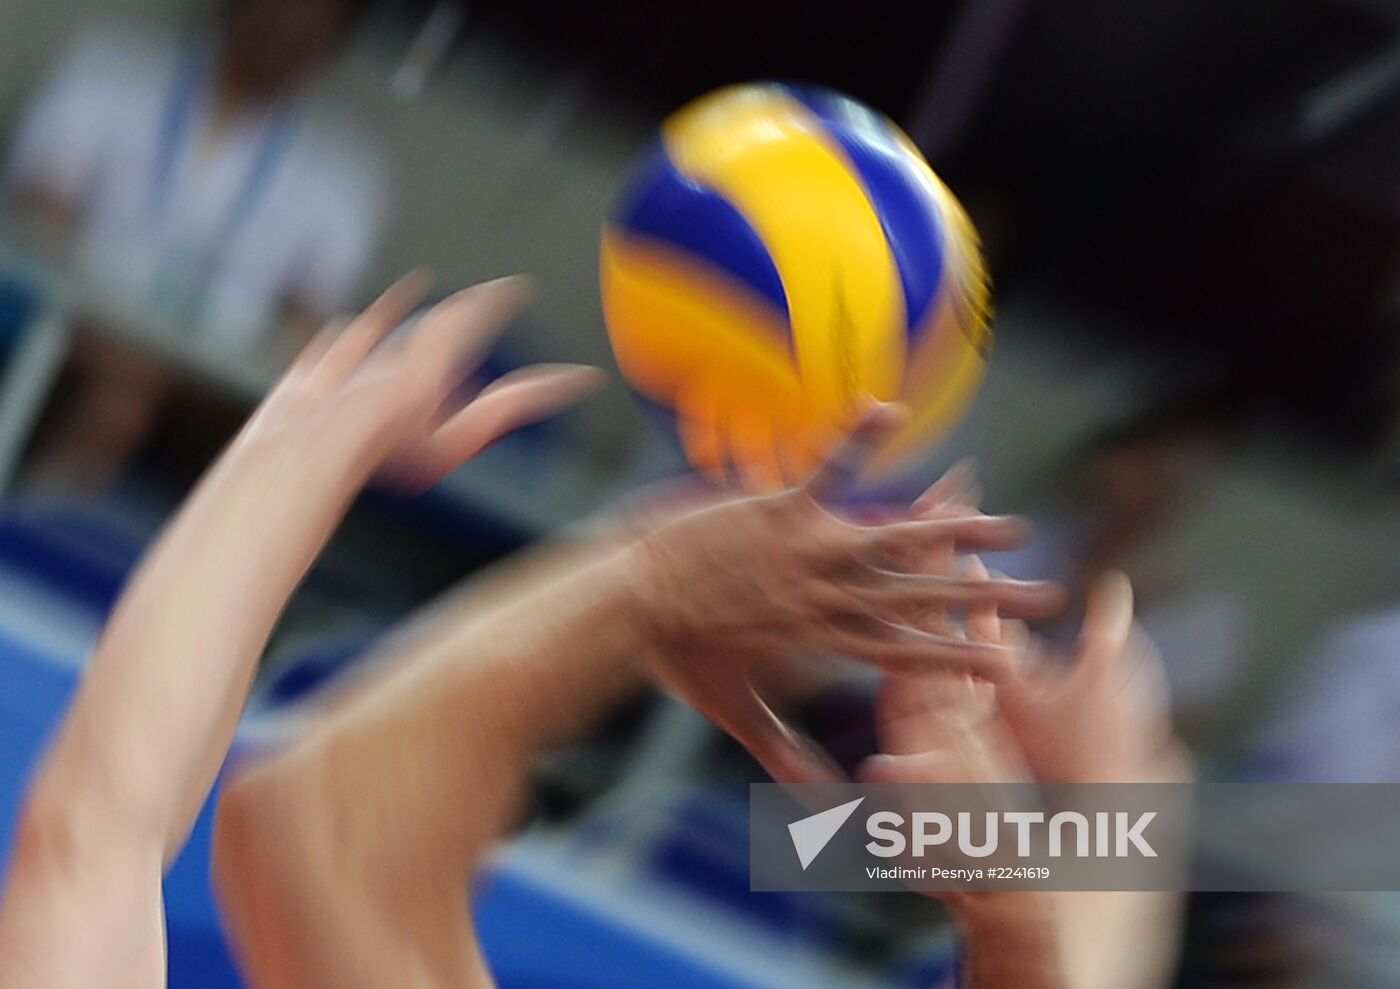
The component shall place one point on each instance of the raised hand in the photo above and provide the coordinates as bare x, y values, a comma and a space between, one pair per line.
735, 583
944, 727
362, 399
121, 784
1105, 717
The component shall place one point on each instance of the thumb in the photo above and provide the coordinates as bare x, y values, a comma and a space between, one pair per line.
786, 754
933, 766
1108, 624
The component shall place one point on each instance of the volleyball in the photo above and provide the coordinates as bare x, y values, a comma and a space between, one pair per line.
778, 255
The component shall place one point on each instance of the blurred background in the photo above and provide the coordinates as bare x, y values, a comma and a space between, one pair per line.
1192, 211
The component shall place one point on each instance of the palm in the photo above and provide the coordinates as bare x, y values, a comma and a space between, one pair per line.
1106, 719
748, 582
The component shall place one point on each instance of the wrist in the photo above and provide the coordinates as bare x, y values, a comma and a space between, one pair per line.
1010, 939
642, 598
996, 913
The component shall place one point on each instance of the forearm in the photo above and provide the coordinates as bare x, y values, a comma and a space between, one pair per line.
375, 818
1011, 941
449, 725
1115, 939
158, 705
1129, 937
133, 759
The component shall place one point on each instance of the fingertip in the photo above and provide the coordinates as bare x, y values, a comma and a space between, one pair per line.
874, 418
967, 467
878, 768
523, 286
415, 280
844, 462
1115, 585
889, 415
957, 484
1038, 599
1056, 601
880, 421
407, 292
579, 380
1016, 636
469, 321
1019, 529
1108, 617
509, 292
988, 533
1110, 599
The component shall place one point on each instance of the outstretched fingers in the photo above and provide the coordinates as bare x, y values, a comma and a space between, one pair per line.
923, 594
340, 355
957, 486
903, 650
892, 541
516, 400
313, 352
984, 617
455, 335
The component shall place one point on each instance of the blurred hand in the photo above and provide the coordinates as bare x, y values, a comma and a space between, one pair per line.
948, 719
357, 401
945, 728
730, 585
1105, 718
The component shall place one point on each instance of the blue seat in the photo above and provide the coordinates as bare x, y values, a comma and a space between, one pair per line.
18, 302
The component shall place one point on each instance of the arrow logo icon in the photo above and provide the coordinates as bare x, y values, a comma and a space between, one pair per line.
811, 834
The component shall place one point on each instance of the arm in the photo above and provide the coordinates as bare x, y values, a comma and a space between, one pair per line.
1011, 940
344, 860
1104, 721
117, 793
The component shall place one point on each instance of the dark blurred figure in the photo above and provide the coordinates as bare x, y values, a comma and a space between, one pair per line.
1131, 494
1338, 723
186, 178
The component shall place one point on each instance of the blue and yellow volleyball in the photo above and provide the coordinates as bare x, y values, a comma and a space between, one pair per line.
780, 254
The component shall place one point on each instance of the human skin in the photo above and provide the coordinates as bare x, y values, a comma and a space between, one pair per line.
1105, 719
346, 858
116, 793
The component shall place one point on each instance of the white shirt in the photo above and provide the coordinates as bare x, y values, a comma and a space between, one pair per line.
1200, 629
245, 223
1340, 720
